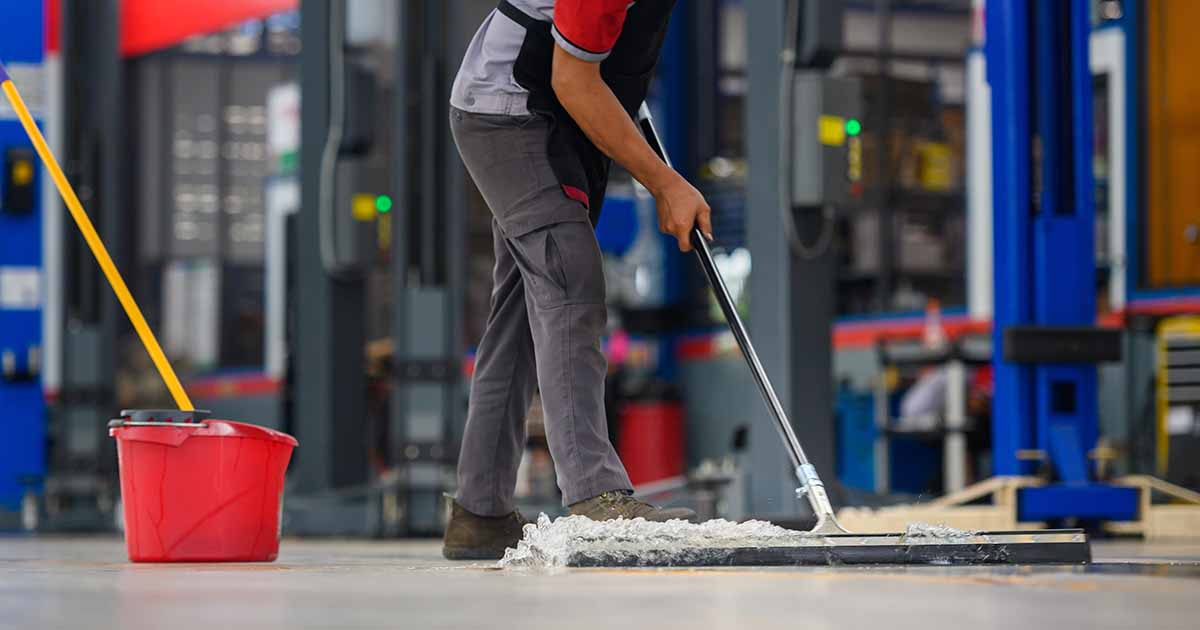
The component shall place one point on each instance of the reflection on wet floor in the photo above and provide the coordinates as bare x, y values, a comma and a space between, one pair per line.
88, 582
1177, 569
1166, 569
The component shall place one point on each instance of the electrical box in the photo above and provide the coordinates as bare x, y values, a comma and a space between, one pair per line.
362, 208
362, 228
827, 152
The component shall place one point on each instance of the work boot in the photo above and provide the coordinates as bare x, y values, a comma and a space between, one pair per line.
473, 537
616, 504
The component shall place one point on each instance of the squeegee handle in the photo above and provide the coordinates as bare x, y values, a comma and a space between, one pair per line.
95, 244
725, 300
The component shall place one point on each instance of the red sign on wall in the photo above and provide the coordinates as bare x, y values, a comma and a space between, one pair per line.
150, 25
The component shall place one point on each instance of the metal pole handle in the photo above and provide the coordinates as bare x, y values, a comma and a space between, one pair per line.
811, 485
725, 300
92, 238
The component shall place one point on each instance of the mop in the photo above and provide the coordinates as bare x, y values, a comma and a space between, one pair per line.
92, 238
579, 542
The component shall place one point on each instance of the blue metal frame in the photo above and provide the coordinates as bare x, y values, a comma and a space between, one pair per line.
668, 101
1089, 502
1064, 235
1044, 250
899, 317
1131, 24
1007, 50
1165, 293
23, 448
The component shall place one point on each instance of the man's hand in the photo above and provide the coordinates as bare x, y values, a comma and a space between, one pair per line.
680, 208
583, 93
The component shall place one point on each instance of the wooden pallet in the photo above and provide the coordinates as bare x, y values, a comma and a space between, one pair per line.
1178, 520
952, 510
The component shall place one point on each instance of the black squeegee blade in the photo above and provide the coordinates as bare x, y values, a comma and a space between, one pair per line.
1062, 546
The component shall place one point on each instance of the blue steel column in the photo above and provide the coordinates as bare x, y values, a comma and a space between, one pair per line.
1064, 263
1131, 25
1007, 51
669, 100
23, 450
1087, 416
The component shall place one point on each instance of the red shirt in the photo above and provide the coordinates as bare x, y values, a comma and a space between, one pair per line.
589, 29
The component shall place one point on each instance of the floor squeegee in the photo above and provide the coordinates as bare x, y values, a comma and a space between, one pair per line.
828, 543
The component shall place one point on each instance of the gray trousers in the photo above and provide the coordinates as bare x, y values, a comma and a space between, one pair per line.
547, 316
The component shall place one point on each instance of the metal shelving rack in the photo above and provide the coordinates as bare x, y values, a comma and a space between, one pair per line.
887, 198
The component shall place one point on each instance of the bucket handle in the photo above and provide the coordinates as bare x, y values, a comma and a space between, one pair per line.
178, 425
147, 418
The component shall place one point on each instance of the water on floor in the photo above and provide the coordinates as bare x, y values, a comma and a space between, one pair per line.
552, 543
87, 583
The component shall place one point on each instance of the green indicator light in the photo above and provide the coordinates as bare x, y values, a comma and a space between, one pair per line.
383, 204
853, 127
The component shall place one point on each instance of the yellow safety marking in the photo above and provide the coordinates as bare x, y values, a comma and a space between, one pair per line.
98, 250
831, 130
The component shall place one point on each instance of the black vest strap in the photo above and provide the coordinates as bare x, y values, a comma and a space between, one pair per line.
518, 16
627, 71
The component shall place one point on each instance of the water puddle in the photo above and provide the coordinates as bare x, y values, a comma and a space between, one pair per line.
551, 543
925, 530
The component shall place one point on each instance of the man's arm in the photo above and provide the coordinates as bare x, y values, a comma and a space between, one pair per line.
596, 110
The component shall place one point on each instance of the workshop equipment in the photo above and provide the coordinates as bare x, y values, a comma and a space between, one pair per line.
1048, 456
187, 496
839, 546
1177, 399
24, 298
1046, 345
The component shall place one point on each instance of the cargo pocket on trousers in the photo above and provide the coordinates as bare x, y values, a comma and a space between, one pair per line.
561, 264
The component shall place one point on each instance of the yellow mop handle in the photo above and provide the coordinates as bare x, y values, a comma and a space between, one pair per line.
96, 245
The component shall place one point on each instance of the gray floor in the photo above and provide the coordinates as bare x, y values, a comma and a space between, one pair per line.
87, 584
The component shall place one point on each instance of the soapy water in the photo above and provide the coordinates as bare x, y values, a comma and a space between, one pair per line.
925, 530
551, 544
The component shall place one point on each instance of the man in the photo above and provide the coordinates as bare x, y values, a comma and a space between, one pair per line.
544, 100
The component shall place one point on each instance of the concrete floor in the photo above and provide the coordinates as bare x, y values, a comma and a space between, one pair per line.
87, 583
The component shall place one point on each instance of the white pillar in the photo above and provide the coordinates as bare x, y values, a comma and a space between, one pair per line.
979, 175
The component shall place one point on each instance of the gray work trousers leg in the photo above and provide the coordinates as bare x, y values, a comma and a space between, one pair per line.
547, 316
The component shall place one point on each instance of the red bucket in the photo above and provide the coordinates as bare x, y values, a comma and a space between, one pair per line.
651, 442
200, 491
